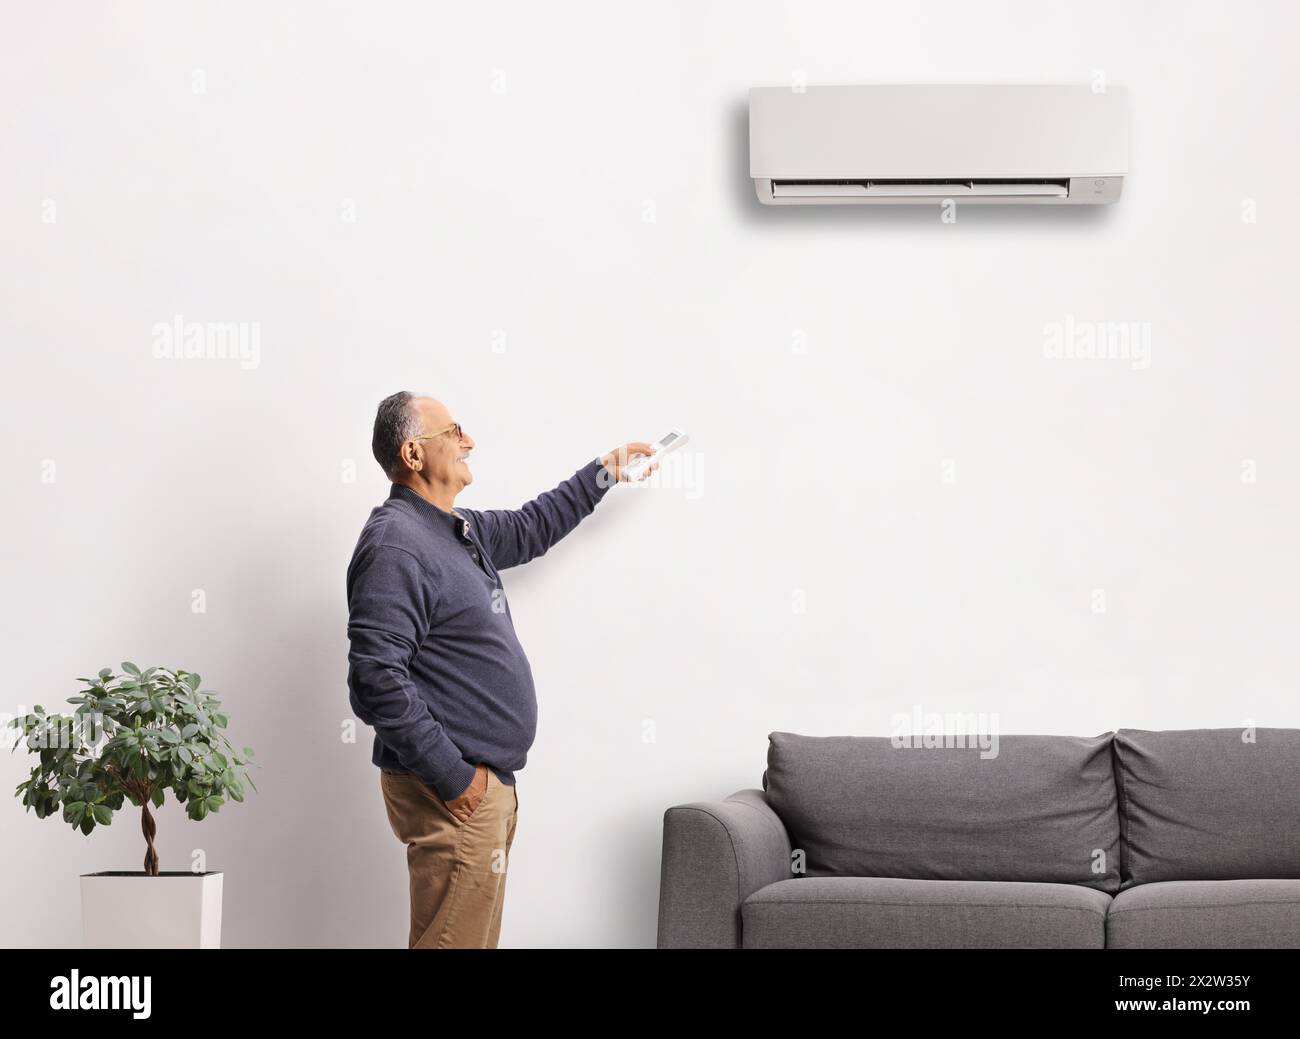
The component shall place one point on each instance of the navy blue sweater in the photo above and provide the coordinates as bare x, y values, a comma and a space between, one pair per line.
435, 665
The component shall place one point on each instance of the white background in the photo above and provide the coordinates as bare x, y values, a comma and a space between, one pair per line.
664, 633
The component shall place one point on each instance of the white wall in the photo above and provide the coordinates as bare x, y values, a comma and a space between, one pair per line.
818, 472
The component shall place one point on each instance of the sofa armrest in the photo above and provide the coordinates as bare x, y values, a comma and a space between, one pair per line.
715, 855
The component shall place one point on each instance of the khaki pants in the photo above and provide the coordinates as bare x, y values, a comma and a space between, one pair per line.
458, 870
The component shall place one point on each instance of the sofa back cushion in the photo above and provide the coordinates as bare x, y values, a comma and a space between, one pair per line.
1042, 808
1209, 804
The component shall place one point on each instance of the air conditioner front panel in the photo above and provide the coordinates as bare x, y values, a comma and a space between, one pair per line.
924, 135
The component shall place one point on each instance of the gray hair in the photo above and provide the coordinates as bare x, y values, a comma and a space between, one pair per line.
395, 423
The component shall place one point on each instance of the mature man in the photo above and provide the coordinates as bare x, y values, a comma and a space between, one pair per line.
435, 665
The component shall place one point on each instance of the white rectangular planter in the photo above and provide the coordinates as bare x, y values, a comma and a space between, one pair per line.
174, 910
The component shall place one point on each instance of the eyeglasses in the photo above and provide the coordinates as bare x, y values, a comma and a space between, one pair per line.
453, 428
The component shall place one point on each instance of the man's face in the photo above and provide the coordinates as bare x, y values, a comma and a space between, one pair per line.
443, 457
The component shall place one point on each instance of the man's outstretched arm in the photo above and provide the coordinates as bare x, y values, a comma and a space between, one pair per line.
514, 536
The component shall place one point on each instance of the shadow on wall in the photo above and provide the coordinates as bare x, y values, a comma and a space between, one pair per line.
287, 658
913, 217
639, 851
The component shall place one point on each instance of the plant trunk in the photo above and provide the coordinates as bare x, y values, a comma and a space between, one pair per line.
151, 854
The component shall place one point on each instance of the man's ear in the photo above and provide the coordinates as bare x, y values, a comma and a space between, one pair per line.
412, 457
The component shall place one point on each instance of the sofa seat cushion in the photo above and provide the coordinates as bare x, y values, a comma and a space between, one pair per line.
1206, 914
890, 913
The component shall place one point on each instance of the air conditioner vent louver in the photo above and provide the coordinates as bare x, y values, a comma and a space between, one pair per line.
947, 187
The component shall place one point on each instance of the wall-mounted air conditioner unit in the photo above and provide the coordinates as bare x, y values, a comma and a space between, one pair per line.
917, 144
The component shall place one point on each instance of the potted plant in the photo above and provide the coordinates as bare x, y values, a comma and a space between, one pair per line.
132, 738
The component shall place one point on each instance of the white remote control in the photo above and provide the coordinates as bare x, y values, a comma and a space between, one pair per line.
666, 444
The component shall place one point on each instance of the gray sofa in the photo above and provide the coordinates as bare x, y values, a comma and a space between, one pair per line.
1133, 839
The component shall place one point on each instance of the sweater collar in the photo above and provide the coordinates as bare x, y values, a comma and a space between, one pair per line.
452, 522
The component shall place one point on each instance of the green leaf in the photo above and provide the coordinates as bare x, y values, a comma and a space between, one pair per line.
184, 754
130, 668
193, 681
158, 796
189, 730
105, 672
103, 814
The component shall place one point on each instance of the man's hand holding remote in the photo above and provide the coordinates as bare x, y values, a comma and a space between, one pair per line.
618, 459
